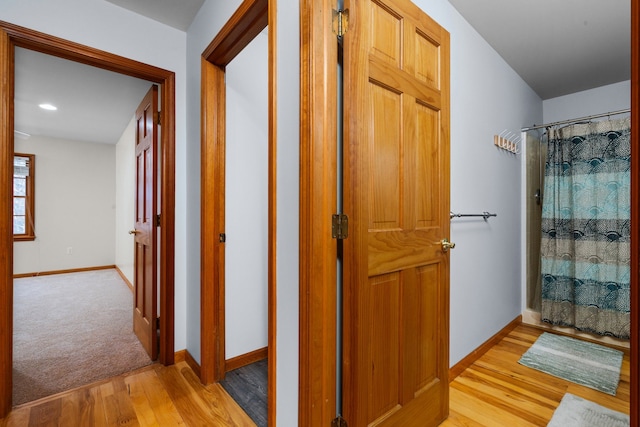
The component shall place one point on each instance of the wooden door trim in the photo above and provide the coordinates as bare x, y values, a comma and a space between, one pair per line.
318, 251
10, 37
251, 17
245, 24
634, 402
6, 226
212, 315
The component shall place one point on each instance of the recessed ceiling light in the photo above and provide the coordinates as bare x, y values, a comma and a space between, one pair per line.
48, 107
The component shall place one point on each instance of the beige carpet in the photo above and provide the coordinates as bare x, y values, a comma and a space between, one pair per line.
71, 330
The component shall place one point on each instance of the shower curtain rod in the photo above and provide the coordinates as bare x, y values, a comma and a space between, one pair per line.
564, 122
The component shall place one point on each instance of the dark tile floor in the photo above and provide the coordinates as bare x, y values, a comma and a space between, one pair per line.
248, 387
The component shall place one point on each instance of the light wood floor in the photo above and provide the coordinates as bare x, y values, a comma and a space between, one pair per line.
497, 391
153, 396
494, 391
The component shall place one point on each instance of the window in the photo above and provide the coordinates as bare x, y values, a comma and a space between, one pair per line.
23, 197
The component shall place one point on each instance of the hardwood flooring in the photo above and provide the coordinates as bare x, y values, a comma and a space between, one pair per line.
494, 391
497, 391
154, 396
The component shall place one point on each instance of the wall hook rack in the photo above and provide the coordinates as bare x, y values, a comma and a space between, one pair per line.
507, 141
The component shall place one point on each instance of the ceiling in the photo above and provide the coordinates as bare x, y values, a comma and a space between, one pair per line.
94, 105
175, 13
557, 46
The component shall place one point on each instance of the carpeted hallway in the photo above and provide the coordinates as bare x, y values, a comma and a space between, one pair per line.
71, 330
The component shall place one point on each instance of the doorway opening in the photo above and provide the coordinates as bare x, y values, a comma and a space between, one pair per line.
247, 23
84, 185
12, 36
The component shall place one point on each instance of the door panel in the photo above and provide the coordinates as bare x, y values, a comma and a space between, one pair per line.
396, 275
145, 307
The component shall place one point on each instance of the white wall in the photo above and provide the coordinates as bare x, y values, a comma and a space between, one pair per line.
604, 99
74, 206
125, 199
487, 98
288, 203
246, 200
211, 17
105, 26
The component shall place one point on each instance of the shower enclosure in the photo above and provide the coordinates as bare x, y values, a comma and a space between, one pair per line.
586, 292
535, 155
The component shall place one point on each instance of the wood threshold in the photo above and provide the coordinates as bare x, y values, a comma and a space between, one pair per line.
70, 270
246, 359
12, 36
82, 387
155, 395
476, 354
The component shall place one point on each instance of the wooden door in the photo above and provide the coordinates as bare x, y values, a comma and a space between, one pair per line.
396, 194
145, 303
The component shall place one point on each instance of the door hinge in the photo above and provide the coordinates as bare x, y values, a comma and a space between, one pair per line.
222, 237
340, 21
158, 220
339, 422
339, 226
158, 117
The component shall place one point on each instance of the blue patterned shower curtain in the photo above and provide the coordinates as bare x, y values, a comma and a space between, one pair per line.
585, 228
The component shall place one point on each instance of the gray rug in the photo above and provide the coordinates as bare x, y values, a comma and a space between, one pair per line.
71, 330
581, 362
577, 412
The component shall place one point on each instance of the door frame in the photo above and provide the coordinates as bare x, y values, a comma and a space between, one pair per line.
318, 201
634, 400
251, 17
317, 327
12, 36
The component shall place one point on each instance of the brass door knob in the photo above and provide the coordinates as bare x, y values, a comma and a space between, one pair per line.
134, 231
446, 245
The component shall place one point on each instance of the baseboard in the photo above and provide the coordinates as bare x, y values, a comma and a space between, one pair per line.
459, 367
230, 364
195, 366
246, 359
129, 284
179, 356
71, 270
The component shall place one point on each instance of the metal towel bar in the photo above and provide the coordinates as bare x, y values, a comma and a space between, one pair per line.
484, 215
